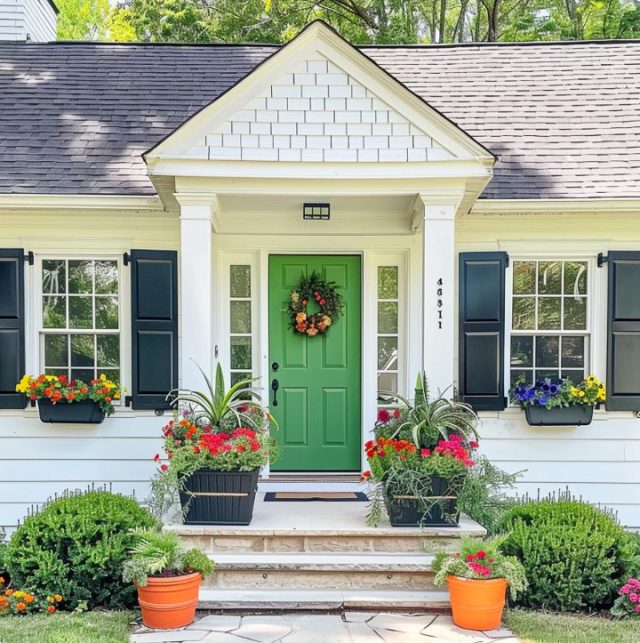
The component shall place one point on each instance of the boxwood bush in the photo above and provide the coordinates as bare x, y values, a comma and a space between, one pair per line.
75, 546
575, 555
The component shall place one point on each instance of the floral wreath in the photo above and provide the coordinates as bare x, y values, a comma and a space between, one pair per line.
325, 295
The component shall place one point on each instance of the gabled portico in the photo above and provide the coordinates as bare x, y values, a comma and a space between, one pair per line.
320, 122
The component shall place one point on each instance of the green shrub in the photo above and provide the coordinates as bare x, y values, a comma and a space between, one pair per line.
75, 546
575, 555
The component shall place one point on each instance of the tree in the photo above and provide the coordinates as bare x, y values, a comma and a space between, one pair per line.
365, 21
82, 19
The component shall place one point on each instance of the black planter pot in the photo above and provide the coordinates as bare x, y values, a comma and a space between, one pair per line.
576, 415
407, 511
219, 497
63, 412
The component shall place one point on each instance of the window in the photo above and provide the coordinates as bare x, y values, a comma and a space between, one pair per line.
550, 321
240, 322
80, 333
388, 328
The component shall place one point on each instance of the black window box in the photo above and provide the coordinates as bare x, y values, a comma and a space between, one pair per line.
575, 415
63, 412
219, 497
409, 512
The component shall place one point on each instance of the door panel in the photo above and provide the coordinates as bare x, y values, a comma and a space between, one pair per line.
319, 378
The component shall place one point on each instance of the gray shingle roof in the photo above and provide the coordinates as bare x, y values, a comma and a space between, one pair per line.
563, 119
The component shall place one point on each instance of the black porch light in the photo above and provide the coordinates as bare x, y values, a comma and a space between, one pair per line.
316, 211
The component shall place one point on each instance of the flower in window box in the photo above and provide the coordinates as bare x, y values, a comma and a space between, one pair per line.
559, 393
57, 388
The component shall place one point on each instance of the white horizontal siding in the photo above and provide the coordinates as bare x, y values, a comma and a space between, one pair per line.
12, 20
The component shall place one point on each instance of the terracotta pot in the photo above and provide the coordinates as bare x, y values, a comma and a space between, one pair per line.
477, 604
169, 603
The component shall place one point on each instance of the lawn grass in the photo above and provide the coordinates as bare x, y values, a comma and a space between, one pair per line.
545, 627
87, 627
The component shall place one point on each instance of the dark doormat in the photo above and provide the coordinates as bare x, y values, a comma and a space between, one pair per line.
315, 496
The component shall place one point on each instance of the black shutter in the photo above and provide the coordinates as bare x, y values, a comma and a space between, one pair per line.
11, 328
154, 336
482, 308
623, 342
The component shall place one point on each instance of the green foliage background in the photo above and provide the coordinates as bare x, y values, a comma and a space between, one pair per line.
360, 21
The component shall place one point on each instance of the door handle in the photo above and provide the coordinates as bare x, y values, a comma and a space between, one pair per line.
275, 385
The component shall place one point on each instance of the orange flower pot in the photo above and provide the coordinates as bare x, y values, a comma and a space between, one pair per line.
169, 603
477, 604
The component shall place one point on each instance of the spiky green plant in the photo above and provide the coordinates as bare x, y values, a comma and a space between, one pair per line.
240, 402
429, 421
157, 551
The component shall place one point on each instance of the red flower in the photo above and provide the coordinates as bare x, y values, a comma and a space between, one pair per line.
163, 467
196, 449
425, 453
365, 476
383, 416
473, 444
481, 554
156, 457
396, 413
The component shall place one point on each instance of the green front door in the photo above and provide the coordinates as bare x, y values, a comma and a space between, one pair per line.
318, 378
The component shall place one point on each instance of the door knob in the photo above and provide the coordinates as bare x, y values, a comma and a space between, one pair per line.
274, 387
275, 366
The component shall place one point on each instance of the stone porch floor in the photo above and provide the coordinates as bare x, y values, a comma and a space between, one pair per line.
350, 627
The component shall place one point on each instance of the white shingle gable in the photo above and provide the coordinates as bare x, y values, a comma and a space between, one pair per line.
319, 113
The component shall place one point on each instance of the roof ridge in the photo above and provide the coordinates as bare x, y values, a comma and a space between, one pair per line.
448, 45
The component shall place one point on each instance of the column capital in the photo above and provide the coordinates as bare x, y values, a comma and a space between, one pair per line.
197, 205
434, 206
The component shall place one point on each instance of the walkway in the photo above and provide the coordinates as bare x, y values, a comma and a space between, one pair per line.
350, 627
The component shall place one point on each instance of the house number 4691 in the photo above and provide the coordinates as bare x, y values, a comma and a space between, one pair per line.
439, 302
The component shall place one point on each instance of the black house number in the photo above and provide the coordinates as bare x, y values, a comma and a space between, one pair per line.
439, 302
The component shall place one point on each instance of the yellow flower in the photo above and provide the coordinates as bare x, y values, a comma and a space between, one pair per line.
102, 377
23, 385
18, 594
580, 393
116, 395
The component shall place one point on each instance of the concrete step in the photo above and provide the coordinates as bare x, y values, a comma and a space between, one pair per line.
322, 600
309, 536
327, 571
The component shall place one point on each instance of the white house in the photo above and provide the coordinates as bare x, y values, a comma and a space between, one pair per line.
177, 178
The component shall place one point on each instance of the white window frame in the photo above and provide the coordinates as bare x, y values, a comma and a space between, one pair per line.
124, 312
594, 289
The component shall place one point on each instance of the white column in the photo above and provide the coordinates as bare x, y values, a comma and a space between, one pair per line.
196, 287
438, 257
